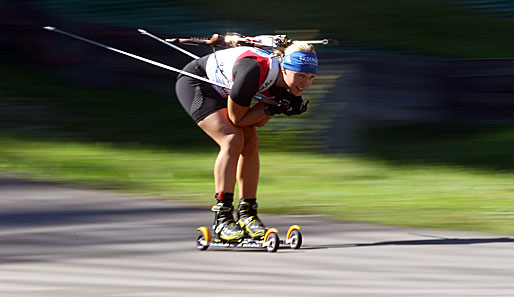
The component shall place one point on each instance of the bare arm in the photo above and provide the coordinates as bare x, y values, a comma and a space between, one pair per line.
247, 116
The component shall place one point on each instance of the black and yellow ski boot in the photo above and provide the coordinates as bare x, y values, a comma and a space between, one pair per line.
248, 220
225, 228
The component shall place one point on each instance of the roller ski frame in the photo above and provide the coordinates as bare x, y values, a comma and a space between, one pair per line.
271, 241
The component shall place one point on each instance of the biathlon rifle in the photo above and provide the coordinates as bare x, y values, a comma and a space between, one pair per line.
236, 39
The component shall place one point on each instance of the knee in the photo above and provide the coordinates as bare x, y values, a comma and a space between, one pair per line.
233, 143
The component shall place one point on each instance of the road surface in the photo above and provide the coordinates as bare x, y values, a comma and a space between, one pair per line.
62, 241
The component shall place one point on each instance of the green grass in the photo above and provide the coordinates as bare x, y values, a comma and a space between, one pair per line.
337, 186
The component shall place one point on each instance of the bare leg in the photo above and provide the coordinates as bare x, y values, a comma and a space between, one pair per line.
248, 165
231, 140
248, 178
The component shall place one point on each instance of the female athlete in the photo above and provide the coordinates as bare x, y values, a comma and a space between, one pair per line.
229, 118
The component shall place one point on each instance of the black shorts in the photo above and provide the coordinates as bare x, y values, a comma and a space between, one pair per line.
198, 98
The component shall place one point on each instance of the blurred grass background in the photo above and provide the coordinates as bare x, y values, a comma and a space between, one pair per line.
451, 176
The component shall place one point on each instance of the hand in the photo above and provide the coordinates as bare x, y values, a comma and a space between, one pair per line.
287, 104
282, 106
296, 106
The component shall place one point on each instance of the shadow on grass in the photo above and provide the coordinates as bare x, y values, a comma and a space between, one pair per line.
483, 147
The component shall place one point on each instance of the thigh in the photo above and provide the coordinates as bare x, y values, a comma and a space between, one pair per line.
218, 126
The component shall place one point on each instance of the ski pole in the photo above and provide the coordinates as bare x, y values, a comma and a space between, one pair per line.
136, 57
53, 29
144, 32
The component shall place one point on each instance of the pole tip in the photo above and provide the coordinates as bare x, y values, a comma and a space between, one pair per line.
142, 31
49, 28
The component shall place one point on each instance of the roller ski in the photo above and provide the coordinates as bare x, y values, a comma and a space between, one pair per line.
270, 241
248, 232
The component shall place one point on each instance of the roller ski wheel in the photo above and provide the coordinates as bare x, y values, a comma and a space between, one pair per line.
271, 240
204, 238
294, 237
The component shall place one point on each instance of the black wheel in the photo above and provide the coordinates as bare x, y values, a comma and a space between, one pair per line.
201, 243
273, 242
296, 239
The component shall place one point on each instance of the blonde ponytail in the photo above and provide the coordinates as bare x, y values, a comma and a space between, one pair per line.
298, 46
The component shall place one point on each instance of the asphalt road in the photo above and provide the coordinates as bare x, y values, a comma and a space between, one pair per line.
64, 241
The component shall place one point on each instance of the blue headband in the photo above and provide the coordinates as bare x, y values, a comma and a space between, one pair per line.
301, 62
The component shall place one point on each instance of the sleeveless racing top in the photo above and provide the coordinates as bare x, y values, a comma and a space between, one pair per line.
220, 64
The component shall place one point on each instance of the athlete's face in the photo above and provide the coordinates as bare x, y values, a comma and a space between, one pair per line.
297, 82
